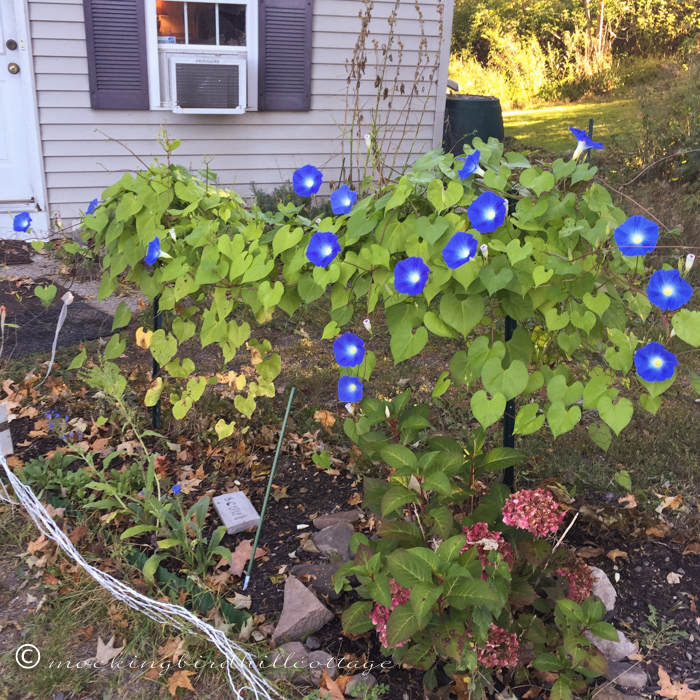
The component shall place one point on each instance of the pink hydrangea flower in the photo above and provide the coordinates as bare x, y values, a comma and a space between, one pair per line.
486, 541
535, 511
499, 650
380, 613
580, 581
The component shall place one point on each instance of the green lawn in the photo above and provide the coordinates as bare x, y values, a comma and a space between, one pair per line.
549, 126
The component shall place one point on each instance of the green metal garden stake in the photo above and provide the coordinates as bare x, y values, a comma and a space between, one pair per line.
157, 325
267, 492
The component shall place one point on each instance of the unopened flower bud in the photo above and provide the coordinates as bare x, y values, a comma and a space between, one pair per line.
368, 141
318, 222
387, 413
350, 409
484, 250
172, 233
367, 324
689, 260
673, 332
59, 223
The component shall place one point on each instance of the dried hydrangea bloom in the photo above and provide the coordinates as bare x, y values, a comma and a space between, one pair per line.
380, 613
486, 541
580, 580
499, 650
535, 511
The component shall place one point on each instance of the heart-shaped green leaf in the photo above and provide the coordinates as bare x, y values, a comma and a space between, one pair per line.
562, 420
462, 314
485, 411
618, 415
163, 347
493, 281
509, 382
541, 276
46, 294
405, 344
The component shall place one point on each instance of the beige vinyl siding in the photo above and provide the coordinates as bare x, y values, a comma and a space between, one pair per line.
80, 160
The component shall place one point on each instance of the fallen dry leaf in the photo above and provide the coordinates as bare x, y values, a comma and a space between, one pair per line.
172, 649
327, 683
673, 577
241, 555
106, 652
180, 679
660, 530
355, 499
590, 552
692, 548
240, 601
37, 545
677, 690
153, 674
629, 500
672, 502
326, 419
615, 554
280, 493
77, 533
533, 692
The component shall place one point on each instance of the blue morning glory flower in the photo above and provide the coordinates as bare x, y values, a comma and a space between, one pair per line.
487, 212
342, 200
349, 350
637, 236
307, 181
411, 276
154, 252
349, 389
654, 363
460, 249
177, 488
584, 142
323, 248
668, 290
471, 165
92, 206
21, 222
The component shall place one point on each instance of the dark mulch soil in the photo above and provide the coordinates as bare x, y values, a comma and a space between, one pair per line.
37, 324
643, 581
14, 253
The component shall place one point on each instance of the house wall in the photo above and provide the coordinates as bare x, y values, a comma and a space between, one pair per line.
262, 147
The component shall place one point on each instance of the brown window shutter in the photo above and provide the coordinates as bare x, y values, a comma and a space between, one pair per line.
284, 75
116, 49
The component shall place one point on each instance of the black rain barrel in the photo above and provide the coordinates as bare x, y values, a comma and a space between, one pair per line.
468, 116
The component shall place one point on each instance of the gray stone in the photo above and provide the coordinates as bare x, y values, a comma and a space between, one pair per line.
302, 613
290, 662
312, 643
603, 588
627, 674
318, 660
236, 512
344, 516
320, 576
613, 651
610, 692
369, 681
334, 541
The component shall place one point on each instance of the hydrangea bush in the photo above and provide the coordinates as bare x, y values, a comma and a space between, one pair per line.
449, 250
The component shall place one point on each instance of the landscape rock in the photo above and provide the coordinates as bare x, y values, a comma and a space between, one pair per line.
627, 674
603, 588
318, 660
312, 643
344, 516
302, 613
610, 692
369, 681
613, 651
290, 662
334, 541
320, 576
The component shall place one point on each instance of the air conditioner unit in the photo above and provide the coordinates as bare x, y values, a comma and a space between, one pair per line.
206, 83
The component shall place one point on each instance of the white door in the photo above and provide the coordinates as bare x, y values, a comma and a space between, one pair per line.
15, 171
20, 169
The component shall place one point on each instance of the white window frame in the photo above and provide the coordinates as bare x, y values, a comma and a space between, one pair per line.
250, 52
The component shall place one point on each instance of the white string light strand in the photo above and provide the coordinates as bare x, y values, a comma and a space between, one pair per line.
257, 687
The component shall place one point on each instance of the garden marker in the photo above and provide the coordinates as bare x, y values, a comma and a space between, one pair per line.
267, 492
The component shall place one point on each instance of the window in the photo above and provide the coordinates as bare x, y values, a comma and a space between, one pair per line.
201, 54
141, 52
